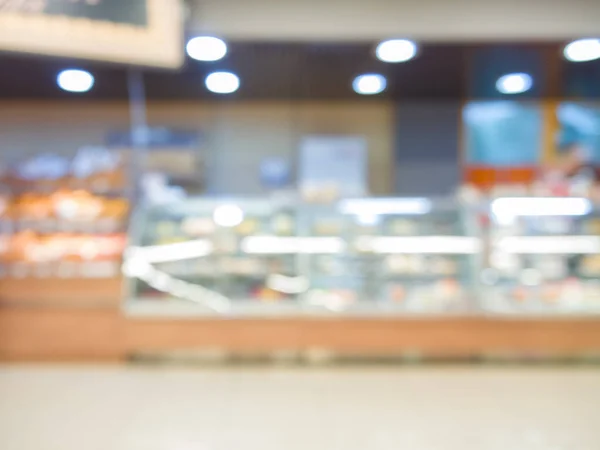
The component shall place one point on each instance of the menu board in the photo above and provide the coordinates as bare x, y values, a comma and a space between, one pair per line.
502, 141
131, 11
142, 32
579, 127
502, 133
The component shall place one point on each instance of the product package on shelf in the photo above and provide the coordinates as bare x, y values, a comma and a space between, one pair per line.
93, 169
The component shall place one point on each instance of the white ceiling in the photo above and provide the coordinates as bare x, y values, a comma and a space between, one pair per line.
455, 20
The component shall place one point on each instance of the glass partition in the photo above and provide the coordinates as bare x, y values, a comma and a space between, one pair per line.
544, 257
259, 256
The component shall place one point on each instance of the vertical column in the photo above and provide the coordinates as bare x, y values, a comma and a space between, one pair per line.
139, 127
426, 147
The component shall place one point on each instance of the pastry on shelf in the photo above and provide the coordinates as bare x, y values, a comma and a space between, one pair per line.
198, 226
76, 206
283, 225
520, 294
403, 227
443, 266
590, 266
397, 293
550, 293
328, 227
399, 264
247, 227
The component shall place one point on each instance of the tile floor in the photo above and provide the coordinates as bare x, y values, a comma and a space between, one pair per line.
437, 408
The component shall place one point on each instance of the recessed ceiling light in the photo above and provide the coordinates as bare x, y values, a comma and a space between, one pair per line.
514, 83
369, 84
583, 50
396, 50
75, 80
206, 48
222, 82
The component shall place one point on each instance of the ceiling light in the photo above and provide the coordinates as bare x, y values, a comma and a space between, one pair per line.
74, 80
222, 82
514, 83
396, 50
583, 50
290, 245
206, 48
458, 245
548, 245
228, 215
369, 84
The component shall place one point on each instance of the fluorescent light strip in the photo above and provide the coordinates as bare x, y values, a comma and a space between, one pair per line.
385, 206
458, 245
173, 252
291, 245
542, 245
543, 206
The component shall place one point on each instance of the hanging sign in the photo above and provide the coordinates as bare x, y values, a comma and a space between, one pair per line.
140, 32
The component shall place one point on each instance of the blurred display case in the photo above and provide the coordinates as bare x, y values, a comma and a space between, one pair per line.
371, 256
542, 257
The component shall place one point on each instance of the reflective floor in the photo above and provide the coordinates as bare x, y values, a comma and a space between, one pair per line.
436, 408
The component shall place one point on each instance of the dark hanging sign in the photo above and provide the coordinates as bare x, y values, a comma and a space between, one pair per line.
142, 32
131, 12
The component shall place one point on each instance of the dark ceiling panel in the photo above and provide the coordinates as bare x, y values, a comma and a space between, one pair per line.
280, 71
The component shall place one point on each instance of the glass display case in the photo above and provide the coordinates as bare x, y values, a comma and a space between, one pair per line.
542, 257
280, 256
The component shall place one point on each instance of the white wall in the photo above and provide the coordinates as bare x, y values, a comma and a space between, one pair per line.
375, 19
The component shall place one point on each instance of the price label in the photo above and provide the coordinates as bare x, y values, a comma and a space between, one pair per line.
43, 270
100, 269
47, 225
6, 226
68, 269
19, 270
107, 225
66, 226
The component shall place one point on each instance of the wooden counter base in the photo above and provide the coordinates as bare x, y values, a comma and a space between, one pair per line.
72, 293
452, 336
41, 334
34, 334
